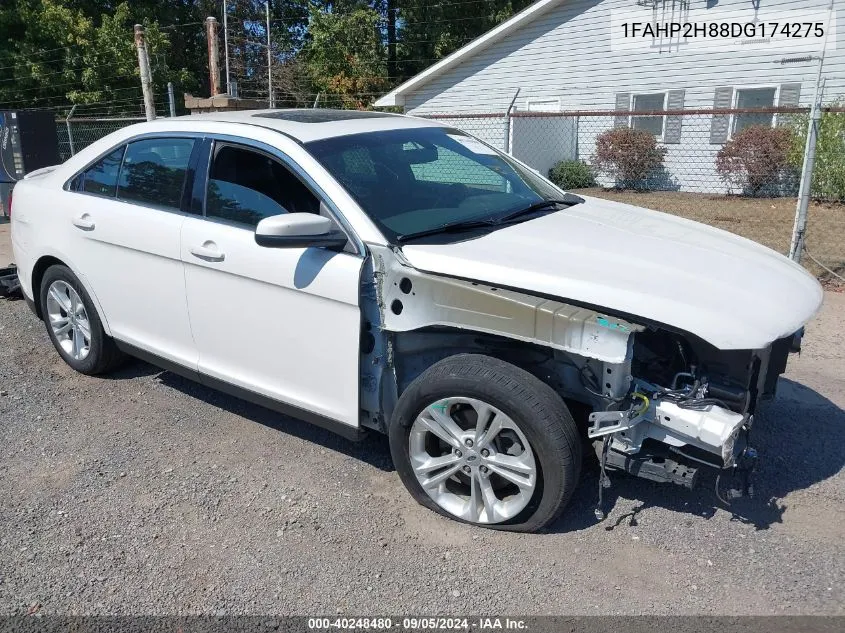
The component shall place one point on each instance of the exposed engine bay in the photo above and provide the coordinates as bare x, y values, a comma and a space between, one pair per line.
685, 406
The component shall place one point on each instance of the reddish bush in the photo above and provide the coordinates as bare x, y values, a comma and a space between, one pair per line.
755, 158
628, 156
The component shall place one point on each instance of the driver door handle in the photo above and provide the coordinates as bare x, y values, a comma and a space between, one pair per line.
208, 252
84, 222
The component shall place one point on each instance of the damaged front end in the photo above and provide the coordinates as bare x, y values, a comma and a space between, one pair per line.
665, 405
687, 408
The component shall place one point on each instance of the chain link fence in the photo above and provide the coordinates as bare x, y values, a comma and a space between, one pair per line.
736, 169
77, 134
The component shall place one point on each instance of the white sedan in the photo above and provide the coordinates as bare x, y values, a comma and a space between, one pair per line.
373, 271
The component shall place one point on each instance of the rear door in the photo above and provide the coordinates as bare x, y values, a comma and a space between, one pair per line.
124, 217
283, 323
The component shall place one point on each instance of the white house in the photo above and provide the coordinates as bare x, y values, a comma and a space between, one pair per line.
572, 56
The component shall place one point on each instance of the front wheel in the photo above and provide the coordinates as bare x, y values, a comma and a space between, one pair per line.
484, 442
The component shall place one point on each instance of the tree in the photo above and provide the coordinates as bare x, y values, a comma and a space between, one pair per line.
430, 31
345, 55
63, 57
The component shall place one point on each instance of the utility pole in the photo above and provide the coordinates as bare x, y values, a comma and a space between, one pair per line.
146, 74
271, 100
226, 44
391, 39
213, 56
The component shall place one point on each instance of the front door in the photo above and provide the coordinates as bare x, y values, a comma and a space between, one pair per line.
283, 323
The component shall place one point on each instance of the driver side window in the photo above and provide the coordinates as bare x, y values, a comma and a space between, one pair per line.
245, 186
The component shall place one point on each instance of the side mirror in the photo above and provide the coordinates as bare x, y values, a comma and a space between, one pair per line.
299, 230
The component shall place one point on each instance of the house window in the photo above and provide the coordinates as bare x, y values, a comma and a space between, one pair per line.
644, 103
754, 98
542, 105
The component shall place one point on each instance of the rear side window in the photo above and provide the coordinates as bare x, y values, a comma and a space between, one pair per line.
101, 178
153, 172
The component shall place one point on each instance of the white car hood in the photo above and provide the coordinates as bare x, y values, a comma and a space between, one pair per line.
731, 292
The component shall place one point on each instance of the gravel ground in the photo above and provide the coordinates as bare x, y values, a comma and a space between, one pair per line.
143, 493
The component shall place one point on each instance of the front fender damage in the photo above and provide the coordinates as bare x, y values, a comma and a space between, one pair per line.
411, 300
664, 432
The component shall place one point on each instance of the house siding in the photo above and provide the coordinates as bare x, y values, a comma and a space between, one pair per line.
566, 54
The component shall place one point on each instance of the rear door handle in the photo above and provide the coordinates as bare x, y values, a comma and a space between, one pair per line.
84, 222
208, 252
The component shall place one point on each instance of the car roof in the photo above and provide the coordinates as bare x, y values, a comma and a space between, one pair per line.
307, 125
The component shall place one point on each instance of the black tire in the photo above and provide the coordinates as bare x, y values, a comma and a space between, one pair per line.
536, 408
104, 356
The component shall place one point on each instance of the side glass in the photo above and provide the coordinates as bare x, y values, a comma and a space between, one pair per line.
101, 178
154, 172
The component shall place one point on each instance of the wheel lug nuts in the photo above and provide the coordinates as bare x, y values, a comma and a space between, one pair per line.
484, 470
458, 454
485, 453
468, 442
467, 470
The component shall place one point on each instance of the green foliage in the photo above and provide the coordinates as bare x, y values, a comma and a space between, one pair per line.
829, 167
345, 55
431, 30
61, 56
755, 160
55, 53
572, 174
628, 156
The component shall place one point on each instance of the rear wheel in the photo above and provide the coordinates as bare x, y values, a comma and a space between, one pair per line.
74, 325
484, 442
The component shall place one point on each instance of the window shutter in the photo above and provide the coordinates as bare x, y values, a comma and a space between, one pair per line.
719, 122
790, 96
672, 131
623, 104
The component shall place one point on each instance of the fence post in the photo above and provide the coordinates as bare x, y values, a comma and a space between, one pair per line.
796, 248
69, 130
171, 99
508, 123
146, 75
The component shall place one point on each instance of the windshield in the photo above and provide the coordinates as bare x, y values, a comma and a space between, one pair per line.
413, 181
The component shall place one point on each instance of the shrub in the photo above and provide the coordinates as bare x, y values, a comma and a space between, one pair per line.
572, 174
829, 168
755, 158
628, 156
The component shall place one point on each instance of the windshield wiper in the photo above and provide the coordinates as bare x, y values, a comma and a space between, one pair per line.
568, 200
454, 227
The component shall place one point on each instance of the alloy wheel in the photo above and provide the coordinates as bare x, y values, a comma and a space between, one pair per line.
68, 320
473, 460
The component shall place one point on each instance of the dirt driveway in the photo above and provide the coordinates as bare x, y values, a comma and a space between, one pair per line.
142, 493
